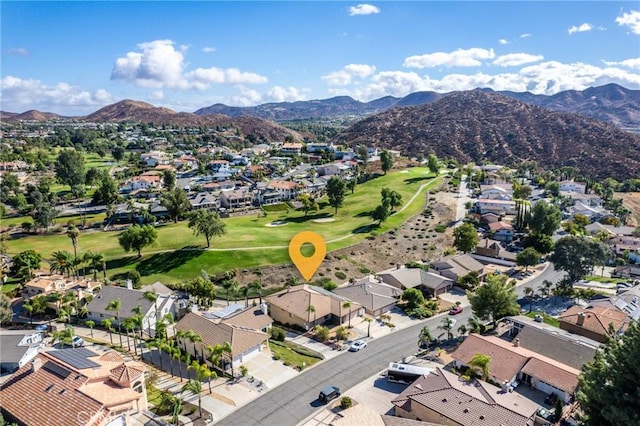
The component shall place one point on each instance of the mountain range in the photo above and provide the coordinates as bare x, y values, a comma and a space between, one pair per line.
478, 126
611, 103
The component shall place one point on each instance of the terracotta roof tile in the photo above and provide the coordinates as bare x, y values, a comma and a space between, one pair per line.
596, 318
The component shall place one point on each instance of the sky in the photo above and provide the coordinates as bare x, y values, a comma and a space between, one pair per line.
72, 58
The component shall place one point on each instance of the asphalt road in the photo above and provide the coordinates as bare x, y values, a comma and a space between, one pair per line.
295, 400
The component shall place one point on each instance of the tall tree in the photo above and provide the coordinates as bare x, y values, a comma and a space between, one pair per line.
137, 237
465, 237
230, 287
115, 305
308, 203
386, 160
176, 203
152, 296
69, 167
544, 218
577, 256
481, 362
194, 386
106, 189
96, 263
169, 179
381, 213
609, 391
73, 233
425, 336
495, 299
336, 192
24, 263
62, 262
206, 223
433, 164
391, 197
6, 313
446, 325
363, 153
528, 257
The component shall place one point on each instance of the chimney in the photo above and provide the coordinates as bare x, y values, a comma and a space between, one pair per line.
580, 318
397, 266
505, 387
264, 308
129, 284
516, 342
36, 363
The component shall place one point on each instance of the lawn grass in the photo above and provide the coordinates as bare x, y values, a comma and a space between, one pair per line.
179, 255
600, 279
289, 357
547, 319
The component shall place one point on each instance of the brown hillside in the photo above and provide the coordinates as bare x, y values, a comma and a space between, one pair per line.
489, 127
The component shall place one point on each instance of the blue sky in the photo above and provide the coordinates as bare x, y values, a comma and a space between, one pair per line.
72, 58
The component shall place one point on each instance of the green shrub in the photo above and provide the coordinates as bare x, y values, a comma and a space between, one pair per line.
340, 275
345, 402
440, 228
278, 334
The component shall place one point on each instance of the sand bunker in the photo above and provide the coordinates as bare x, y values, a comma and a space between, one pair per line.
324, 220
277, 223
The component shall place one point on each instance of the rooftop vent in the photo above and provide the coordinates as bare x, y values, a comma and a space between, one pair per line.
481, 417
466, 410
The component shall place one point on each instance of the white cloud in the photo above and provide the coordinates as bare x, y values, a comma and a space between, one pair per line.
503, 41
156, 95
20, 94
544, 78
208, 49
580, 29
458, 58
515, 59
285, 94
526, 35
363, 9
160, 65
631, 20
630, 63
21, 51
245, 97
346, 75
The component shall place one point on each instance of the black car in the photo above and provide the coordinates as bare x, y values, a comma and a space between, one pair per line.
328, 394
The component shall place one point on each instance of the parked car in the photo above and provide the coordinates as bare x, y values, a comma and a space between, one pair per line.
42, 327
456, 310
76, 342
328, 394
547, 415
551, 399
357, 345
430, 344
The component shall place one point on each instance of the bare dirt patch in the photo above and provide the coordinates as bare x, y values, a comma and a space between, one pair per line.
415, 240
631, 200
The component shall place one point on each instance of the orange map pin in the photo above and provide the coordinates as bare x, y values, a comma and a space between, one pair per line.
307, 265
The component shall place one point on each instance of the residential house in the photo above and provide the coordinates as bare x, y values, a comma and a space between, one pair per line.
18, 347
76, 386
499, 207
591, 200
204, 200
220, 166
54, 283
511, 362
628, 271
497, 191
441, 397
492, 248
427, 282
490, 218
621, 244
594, 322
245, 329
458, 266
291, 306
289, 189
568, 348
627, 300
596, 227
129, 300
290, 149
142, 182
236, 199
312, 186
159, 211
502, 231
319, 147
154, 158
373, 295
333, 169
571, 186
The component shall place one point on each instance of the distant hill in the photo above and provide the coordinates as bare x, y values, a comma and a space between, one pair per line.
31, 115
483, 126
611, 103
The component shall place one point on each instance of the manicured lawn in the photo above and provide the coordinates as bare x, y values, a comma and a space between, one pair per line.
600, 279
261, 244
547, 319
288, 356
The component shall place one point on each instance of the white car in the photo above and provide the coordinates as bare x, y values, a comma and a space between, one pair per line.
357, 345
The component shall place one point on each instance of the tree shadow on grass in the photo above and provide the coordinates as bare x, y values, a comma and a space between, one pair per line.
302, 219
364, 214
165, 262
365, 228
121, 262
412, 180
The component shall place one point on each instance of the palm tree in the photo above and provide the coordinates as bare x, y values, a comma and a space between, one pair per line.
447, 325
206, 373
62, 262
106, 323
30, 307
195, 387
116, 305
65, 337
425, 336
64, 313
528, 292
72, 233
152, 296
216, 354
481, 362
244, 292
230, 286
309, 310
346, 305
476, 326
167, 346
194, 338
96, 262
369, 321
128, 326
90, 324
181, 336
175, 354
462, 329
257, 286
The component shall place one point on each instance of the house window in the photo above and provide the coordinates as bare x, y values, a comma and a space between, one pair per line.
101, 315
137, 386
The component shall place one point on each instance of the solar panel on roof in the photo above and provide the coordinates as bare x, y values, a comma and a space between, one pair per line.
76, 357
56, 369
225, 312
